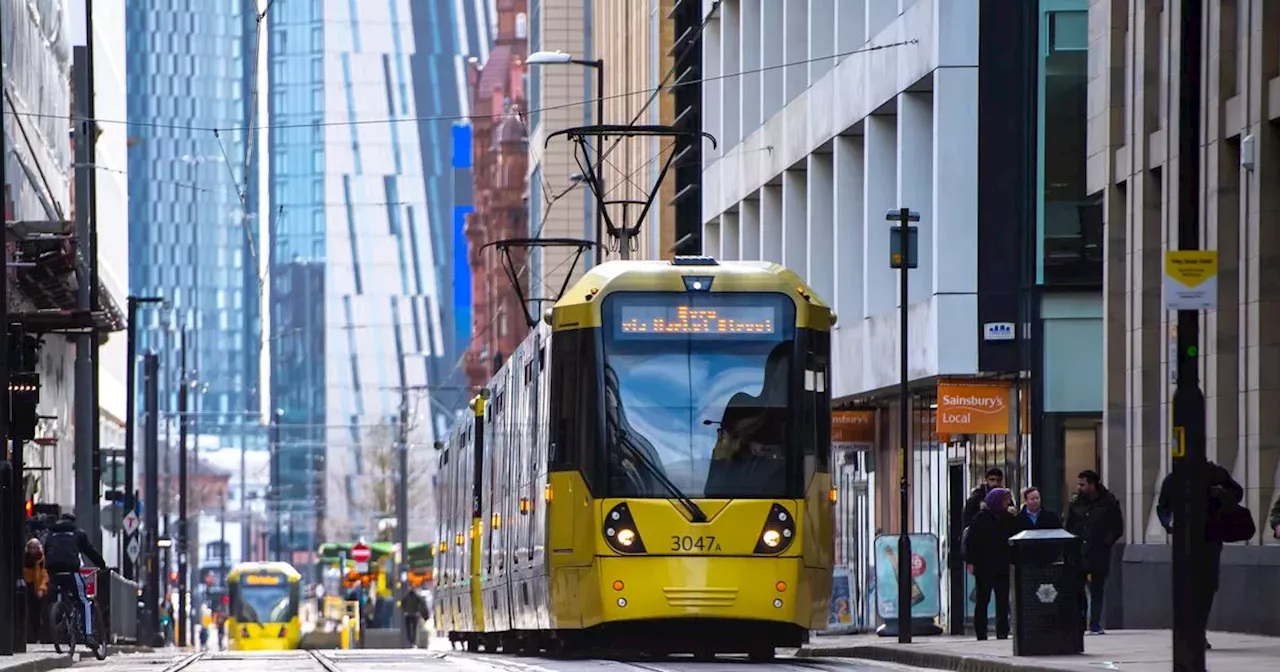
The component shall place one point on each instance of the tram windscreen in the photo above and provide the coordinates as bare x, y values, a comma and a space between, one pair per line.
263, 599
697, 394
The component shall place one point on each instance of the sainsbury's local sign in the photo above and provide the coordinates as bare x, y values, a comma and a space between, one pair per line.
972, 407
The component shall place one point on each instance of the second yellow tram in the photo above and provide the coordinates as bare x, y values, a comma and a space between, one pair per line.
264, 602
649, 469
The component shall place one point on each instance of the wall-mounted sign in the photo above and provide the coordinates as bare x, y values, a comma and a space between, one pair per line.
997, 331
974, 407
853, 430
1191, 280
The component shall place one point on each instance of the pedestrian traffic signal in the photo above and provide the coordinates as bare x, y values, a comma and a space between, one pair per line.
30, 508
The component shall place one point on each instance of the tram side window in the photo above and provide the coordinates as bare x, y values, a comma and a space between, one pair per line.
575, 402
564, 401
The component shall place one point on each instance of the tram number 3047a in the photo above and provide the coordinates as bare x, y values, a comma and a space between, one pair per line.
688, 544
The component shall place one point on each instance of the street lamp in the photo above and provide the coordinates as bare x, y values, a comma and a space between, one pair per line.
561, 58
131, 348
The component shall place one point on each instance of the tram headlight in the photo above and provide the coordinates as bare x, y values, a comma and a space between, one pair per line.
620, 531
778, 533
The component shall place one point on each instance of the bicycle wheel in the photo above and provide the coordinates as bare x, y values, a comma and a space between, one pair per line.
99, 634
57, 631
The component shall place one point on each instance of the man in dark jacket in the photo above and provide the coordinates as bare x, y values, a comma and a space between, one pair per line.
1033, 515
1224, 493
1094, 516
995, 479
413, 609
62, 550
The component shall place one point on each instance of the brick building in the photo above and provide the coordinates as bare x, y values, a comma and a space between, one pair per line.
500, 169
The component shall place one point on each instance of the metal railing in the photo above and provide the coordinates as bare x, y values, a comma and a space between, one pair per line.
119, 597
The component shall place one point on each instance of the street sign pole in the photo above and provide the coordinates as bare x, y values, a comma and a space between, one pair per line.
1190, 548
903, 248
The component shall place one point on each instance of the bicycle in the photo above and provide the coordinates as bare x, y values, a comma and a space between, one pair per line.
67, 624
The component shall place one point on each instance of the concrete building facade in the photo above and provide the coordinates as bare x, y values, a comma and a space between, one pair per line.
829, 115
559, 97
635, 40
1133, 162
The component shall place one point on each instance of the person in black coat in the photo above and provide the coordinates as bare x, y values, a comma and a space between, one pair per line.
994, 479
1225, 494
1033, 515
1094, 515
986, 549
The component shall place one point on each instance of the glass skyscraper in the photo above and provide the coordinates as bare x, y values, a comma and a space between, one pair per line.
191, 239
360, 191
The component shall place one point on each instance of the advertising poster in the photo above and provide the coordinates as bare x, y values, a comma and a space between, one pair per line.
841, 614
926, 577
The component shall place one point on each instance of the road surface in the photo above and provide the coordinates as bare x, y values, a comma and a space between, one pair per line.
419, 660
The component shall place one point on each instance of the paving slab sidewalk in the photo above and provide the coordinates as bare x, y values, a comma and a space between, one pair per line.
1127, 650
42, 657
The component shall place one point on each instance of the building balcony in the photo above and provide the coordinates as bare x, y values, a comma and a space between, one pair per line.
44, 257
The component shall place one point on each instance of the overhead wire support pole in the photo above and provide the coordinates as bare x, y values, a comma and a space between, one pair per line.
7, 568
1190, 548
150, 632
903, 256
182, 620
402, 492
86, 508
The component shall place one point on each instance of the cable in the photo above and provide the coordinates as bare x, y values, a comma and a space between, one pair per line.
443, 118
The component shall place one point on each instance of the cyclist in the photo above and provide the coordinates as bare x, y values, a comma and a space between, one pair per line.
62, 550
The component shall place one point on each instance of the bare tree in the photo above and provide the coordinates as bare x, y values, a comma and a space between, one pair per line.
376, 481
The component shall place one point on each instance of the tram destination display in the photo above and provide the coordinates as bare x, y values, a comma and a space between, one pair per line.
685, 319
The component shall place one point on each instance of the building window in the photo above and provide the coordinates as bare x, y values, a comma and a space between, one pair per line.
1069, 223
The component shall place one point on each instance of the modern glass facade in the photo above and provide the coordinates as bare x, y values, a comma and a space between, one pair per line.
191, 238
361, 97
1070, 223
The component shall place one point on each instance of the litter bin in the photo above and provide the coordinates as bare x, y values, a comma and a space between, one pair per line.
1047, 584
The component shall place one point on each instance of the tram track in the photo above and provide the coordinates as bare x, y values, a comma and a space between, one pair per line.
184, 662
503, 663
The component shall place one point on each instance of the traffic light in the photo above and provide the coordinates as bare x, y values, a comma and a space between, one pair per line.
24, 385
30, 508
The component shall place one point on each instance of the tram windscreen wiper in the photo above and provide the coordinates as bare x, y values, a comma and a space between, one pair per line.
696, 512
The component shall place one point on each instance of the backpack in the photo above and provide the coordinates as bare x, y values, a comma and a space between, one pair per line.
964, 543
62, 552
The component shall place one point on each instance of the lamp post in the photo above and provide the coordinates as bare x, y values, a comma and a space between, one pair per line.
130, 415
561, 58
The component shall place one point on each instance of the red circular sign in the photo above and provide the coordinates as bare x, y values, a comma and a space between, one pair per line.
361, 553
917, 565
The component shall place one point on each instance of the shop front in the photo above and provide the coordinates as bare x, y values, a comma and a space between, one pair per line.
958, 429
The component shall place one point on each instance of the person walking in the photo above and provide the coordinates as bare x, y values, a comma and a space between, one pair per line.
986, 549
1033, 515
413, 609
1225, 495
1094, 515
37, 579
994, 479
1274, 520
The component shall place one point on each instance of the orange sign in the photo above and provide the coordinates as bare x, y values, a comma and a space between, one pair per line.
973, 407
853, 429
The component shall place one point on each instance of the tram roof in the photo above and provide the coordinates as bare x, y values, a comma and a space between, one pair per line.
579, 307
263, 567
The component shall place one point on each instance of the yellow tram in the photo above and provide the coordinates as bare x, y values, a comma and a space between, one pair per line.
649, 469
264, 602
